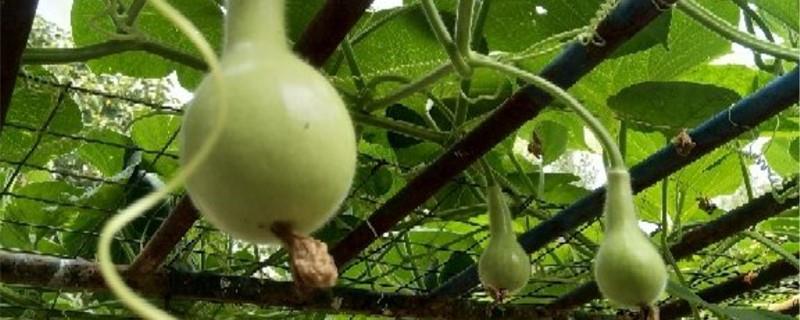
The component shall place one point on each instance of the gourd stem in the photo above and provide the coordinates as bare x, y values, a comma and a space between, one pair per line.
618, 191
480, 21
443, 36
724, 29
464, 26
616, 160
499, 216
411, 88
261, 20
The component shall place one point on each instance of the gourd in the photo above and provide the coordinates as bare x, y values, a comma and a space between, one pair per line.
268, 149
504, 267
287, 152
628, 269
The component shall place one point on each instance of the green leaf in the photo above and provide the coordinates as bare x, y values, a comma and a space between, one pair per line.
458, 261
379, 181
32, 106
15, 236
513, 25
49, 246
714, 174
640, 145
41, 204
92, 24
689, 45
109, 160
788, 11
754, 314
154, 133
678, 290
553, 137
741, 79
402, 113
655, 33
781, 155
15, 143
403, 47
669, 106
298, 14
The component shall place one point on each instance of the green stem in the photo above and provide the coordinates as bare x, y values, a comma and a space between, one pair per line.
748, 187
476, 192
774, 247
37, 56
487, 172
525, 177
623, 138
355, 71
133, 11
443, 36
401, 127
500, 221
665, 244
724, 29
464, 27
462, 104
536, 48
616, 160
750, 17
411, 88
480, 20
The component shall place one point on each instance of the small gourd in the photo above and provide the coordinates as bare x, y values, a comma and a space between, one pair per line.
287, 153
504, 267
628, 269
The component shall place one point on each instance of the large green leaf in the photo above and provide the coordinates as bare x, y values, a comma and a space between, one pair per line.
669, 106
689, 45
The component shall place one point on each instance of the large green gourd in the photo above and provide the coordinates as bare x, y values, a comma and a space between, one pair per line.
628, 269
288, 151
504, 267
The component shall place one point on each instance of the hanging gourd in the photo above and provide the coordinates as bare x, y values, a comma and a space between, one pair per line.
268, 150
504, 267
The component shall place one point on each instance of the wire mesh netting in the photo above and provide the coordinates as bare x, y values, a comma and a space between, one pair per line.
73, 153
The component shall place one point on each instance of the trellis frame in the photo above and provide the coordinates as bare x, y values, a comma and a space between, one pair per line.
575, 61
